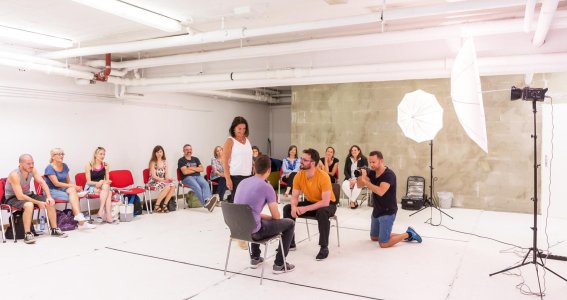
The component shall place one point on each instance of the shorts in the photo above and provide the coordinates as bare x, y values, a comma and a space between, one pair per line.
381, 227
19, 204
59, 194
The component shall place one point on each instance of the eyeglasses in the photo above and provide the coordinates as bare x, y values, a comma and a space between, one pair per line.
306, 160
61, 154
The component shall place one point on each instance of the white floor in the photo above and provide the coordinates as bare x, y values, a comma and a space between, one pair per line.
181, 255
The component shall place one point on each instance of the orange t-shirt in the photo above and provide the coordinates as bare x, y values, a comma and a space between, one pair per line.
315, 186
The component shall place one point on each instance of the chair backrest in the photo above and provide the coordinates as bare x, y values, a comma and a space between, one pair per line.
121, 178
239, 219
178, 174
208, 172
37, 187
2, 184
415, 186
146, 175
81, 179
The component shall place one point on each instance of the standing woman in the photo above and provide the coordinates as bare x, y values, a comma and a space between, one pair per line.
217, 172
97, 174
159, 179
237, 155
290, 167
61, 188
329, 164
354, 160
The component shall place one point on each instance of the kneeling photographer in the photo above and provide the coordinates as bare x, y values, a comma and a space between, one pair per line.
381, 180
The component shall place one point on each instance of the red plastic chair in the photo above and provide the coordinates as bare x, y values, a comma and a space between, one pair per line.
11, 210
281, 182
81, 180
123, 184
39, 191
183, 186
208, 173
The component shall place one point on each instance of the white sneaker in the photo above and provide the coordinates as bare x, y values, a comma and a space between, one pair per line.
79, 218
82, 194
87, 225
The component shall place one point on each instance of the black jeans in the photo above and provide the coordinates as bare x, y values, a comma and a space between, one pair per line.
322, 215
235, 182
270, 228
289, 180
221, 187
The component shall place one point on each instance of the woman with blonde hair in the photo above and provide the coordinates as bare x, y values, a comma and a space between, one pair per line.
159, 179
217, 172
61, 188
97, 175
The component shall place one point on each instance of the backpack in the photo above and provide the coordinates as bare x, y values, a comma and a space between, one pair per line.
135, 200
65, 220
19, 227
192, 200
172, 204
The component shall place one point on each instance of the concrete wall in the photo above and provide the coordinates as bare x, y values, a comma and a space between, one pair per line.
365, 114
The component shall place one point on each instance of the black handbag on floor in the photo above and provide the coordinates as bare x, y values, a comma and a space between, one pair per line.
19, 227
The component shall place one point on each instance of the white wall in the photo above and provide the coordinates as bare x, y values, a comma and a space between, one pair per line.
553, 161
39, 112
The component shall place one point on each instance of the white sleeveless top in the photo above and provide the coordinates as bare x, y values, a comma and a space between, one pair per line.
241, 158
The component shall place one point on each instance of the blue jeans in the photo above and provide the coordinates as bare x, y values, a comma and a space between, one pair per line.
270, 228
381, 227
200, 186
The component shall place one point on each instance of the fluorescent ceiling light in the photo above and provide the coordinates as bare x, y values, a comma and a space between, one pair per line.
34, 37
134, 13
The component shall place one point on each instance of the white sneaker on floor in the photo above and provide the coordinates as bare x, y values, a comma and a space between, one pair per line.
79, 218
87, 225
82, 194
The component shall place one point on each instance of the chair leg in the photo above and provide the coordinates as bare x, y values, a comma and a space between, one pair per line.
265, 257
12, 224
227, 255
283, 254
2, 224
89, 208
307, 225
47, 221
338, 238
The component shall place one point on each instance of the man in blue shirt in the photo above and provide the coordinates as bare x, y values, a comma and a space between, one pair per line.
256, 192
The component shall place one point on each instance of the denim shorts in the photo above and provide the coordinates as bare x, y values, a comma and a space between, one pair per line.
59, 194
381, 227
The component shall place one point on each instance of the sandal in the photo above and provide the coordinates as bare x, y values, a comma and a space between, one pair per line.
164, 208
355, 205
157, 209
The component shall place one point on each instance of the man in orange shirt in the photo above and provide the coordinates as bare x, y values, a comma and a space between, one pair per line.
319, 200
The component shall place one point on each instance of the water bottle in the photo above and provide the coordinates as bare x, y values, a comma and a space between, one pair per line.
42, 223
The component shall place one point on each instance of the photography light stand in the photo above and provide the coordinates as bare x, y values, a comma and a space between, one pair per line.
533, 250
431, 199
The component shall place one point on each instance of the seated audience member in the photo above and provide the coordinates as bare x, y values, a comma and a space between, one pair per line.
381, 180
191, 168
19, 194
354, 161
329, 164
319, 200
255, 152
217, 172
256, 192
159, 179
97, 175
61, 188
290, 167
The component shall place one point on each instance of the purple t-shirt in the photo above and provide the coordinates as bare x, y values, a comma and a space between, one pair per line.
255, 192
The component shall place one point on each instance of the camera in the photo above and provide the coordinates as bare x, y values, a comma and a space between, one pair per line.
358, 173
527, 93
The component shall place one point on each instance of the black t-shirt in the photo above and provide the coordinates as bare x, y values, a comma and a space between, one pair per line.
386, 204
331, 166
193, 162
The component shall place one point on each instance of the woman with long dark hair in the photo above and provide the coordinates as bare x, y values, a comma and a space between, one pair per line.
237, 155
329, 164
160, 180
290, 167
354, 161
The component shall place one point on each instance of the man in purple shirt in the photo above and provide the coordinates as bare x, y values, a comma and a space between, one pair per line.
256, 192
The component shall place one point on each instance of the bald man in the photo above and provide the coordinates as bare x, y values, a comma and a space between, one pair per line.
19, 194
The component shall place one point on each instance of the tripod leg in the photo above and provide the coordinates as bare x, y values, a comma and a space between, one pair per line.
440, 210
418, 211
511, 268
552, 271
538, 281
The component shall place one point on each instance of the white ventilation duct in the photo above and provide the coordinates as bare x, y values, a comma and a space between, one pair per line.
240, 33
546, 13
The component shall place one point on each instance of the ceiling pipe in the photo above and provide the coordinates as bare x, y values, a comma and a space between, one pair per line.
348, 42
103, 75
529, 15
239, 33
546, 13
234, 95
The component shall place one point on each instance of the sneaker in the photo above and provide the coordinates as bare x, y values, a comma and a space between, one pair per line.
280, 269
87, 225
29, 238
79, 218
255, 262
323, 253
56, 232
82, 194
113, 222
292, 247
414, 235
211, 202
